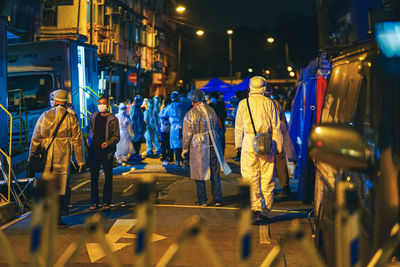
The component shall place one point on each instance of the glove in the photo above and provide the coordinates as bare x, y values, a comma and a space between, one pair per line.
183, 155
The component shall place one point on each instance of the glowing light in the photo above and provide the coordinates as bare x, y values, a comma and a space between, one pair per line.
289, 68
230, 32
388, 37
270, 40
180, 9
369, 64
292, 74
268, 72
319, 143
318, 130
200, 33
250, 70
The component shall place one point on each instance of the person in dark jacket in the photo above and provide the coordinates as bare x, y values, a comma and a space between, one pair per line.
219, 107
103, 139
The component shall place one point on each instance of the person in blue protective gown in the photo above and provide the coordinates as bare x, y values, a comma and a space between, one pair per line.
176, 112
151, 135
138, 125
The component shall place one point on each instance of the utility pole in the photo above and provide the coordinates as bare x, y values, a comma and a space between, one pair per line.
287, 54
230, 57
179, 55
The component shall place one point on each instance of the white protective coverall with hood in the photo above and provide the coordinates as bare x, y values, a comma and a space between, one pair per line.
68, 140
258, 170
125, 145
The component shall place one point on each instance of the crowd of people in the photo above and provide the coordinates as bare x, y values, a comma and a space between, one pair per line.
176, 129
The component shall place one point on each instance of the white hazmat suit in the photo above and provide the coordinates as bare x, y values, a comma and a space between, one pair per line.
256, 169
125, 145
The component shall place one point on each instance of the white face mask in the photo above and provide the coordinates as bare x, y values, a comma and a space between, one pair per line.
102, 108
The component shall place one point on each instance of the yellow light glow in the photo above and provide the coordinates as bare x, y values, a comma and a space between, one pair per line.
318, 130
268, 72
250, 70
289, 68
230, 32
292, 74
270, 40
369, 64
200, 33
180, 9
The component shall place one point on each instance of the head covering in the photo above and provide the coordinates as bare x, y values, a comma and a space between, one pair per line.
258, 85
122, 106
174, 96
138, 100
60, 95
197, 95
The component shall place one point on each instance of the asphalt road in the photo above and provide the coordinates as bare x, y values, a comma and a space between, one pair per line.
174, 198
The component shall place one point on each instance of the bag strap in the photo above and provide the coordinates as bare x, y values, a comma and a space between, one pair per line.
251, 117
56, 130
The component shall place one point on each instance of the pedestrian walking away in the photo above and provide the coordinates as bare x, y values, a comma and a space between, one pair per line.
136, 115
103, 138
201, 140
257, 114
151, 135
166, 152
59, 131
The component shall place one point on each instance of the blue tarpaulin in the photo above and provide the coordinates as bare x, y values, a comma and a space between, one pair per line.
216, 85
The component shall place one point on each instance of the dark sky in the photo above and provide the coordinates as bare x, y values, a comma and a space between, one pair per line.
288, 21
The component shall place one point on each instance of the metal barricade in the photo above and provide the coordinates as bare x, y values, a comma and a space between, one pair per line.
8, 157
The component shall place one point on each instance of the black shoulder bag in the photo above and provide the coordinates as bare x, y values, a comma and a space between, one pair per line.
262, 141
38, 159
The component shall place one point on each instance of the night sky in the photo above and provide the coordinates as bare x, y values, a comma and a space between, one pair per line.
290, 21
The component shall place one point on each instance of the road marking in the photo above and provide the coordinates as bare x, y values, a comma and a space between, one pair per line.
117, 231
129, 187
263, 231
80, 185
23, 216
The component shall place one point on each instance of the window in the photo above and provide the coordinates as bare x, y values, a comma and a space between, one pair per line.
35, 89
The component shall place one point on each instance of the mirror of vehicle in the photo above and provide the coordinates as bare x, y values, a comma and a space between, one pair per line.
340, 146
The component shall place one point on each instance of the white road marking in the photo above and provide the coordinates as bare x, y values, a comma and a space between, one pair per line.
23, 216
264, 234
80, 185
196, 207
129, 187
117, 231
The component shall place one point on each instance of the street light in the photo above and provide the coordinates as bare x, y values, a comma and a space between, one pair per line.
250, 70
267, 72
230, 33
292, 74
200, 32
180, 9
270, 40
289, 68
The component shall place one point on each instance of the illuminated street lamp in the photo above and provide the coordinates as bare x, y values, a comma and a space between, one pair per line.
292, 74
289, 68
180, 9
250, 70
267, 72
230, 32
200, 32
270, 40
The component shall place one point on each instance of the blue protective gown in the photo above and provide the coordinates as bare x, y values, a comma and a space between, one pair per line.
176, 112
151, 119
136, 115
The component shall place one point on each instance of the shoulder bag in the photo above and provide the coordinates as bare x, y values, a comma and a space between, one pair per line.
38, 158
262, 141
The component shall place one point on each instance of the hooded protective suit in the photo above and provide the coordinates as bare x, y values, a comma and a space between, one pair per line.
257, 169
151, 119
199, 134
68, 140
125, 146
176, 112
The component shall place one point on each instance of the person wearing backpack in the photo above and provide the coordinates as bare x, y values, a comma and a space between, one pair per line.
258, 136
58, 133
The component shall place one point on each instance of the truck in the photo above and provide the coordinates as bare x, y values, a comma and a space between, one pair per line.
35, 69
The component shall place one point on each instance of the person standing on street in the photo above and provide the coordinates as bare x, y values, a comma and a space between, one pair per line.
151, 135
201, 140
257, 115
166, 151
103, 139
137, 117
124, 146
176, 112
67, 140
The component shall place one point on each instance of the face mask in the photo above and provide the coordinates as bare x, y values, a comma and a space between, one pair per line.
102, 108
51, 103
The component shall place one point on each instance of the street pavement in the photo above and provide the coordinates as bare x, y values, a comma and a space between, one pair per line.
174, 198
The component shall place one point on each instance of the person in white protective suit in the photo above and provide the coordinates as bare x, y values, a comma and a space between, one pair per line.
151, 135
257, 169
125, 145
201, 140
68, 140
